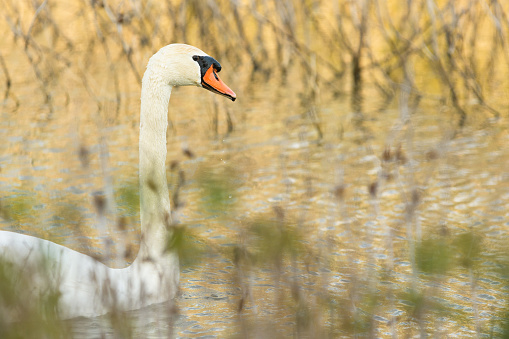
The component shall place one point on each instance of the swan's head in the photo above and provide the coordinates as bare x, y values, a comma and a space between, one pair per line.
184, 65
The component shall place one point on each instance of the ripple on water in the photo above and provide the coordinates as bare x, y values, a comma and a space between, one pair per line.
486, 296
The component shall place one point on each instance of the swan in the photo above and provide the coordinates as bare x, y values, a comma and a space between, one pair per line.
85, 286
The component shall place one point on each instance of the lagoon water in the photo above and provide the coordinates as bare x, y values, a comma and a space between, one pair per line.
54, 164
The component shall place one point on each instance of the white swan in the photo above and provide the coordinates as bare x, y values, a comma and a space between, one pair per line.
87, 287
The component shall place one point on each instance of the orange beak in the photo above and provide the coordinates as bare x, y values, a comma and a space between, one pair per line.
214, 84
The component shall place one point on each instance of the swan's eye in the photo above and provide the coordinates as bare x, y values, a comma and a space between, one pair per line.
196, 57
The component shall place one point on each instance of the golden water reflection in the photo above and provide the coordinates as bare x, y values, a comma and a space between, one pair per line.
322, 184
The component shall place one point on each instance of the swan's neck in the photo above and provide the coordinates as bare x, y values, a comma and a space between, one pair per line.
154, 196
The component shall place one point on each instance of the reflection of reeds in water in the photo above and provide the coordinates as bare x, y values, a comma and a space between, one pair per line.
447, 51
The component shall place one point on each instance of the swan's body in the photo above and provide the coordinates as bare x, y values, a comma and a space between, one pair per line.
87, 287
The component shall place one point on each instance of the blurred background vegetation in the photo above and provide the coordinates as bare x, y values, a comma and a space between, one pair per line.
358, 187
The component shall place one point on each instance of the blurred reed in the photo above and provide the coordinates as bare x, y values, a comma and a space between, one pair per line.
446, 50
